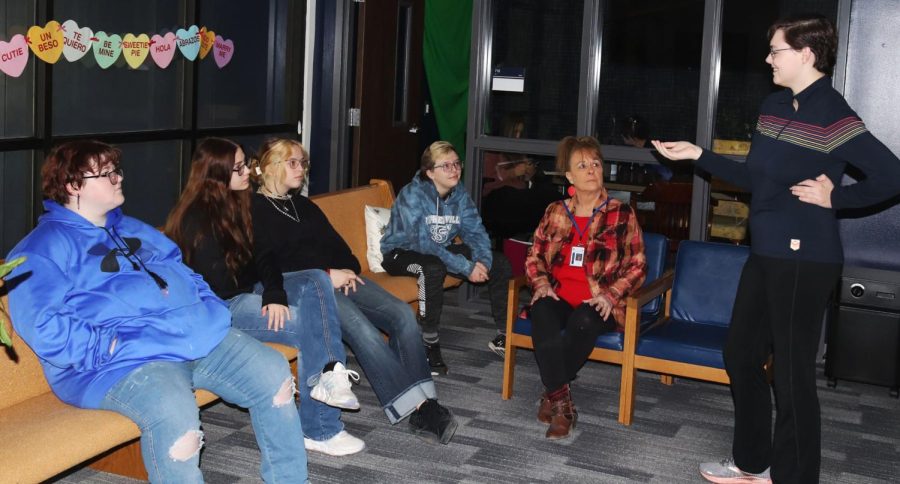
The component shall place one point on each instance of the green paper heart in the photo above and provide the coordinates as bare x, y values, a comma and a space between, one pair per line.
107, 48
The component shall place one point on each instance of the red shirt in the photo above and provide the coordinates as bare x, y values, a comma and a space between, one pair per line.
573, 284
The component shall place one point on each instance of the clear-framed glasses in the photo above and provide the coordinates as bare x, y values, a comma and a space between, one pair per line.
774, 52
584, 165
295, 163
240, 168
449, 167
113, 175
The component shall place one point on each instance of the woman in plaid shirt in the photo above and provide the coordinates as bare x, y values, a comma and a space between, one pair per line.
588, 255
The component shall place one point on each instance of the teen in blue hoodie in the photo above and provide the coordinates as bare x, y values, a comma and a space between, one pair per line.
429, 213
119, 323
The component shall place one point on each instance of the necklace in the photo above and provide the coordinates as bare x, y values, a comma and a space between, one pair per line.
283, 210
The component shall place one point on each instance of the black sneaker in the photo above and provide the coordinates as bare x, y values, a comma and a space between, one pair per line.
433, 422
435, 360
498, 345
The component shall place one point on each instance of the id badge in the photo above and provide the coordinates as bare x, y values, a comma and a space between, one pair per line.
576, 257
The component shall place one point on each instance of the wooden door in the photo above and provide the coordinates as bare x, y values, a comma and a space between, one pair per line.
389, 72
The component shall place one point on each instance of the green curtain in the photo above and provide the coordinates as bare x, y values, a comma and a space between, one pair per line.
448, 38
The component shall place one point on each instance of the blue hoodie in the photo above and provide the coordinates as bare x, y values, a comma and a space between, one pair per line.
423, 222
92, 315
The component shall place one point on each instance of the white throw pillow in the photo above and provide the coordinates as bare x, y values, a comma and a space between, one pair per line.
377, 219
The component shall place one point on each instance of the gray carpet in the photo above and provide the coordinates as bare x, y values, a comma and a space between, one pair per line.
675, 428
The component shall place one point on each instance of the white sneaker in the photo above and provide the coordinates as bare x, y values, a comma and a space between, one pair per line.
341, 444
726, 472
334, 388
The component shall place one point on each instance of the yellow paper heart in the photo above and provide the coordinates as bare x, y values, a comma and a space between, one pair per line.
135, 49
207, 39
46, 42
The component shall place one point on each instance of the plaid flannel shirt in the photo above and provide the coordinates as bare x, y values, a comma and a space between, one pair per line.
614, 261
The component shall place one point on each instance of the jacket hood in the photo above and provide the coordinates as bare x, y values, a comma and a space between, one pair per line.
58, 213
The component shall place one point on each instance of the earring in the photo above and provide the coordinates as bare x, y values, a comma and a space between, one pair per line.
78, 201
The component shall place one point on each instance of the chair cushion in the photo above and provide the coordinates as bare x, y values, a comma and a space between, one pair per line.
656, 247
706, 280
685, 341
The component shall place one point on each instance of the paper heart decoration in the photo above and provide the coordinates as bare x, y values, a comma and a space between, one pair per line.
224, 49
107, 48
14, 55
188, 42
135, 49
207, 38
46, 42
162, 49
76, 41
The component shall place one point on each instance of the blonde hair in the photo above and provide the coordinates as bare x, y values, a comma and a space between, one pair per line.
431, 154
272, 154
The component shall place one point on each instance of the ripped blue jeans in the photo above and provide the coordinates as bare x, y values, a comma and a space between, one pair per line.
159, 398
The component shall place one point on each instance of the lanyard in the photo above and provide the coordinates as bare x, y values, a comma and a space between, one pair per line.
591, 219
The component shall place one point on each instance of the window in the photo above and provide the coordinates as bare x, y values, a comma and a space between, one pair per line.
650, 71
543, 39
17, 113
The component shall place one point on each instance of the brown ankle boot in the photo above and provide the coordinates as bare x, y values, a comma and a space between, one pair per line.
563, 419
545, 409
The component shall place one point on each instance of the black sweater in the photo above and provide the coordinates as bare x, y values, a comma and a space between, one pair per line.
311, 243
821, 136
208, 260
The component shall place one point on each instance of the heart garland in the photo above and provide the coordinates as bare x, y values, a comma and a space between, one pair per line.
69, 40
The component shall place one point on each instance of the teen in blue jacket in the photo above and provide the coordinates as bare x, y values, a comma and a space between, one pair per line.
429, 213
119, 323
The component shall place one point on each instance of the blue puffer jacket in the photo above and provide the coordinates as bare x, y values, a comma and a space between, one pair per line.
92, 315
424, 222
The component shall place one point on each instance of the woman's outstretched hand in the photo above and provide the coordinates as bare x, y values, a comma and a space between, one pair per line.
816, 192
677, 150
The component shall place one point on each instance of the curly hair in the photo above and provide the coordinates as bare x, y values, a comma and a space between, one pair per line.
572, 144
67, 163
228, 210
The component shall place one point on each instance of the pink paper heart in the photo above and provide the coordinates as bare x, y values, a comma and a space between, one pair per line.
14, 56
162, 49
224, 49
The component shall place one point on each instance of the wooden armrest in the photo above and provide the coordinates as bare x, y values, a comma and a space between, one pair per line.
638, 299
512, 301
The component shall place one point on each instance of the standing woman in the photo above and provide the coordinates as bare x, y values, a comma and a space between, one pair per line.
296, 232
588, 255
211, 223
805, 137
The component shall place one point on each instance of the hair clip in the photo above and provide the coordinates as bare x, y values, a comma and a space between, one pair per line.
258, 171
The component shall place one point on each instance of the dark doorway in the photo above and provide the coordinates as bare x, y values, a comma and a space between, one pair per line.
389, 73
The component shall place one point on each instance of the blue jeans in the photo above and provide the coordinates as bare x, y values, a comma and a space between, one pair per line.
314, 329
159, 398
397, 370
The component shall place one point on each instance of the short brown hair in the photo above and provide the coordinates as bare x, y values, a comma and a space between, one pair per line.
67, 163
431, 153
572, 144
810, 30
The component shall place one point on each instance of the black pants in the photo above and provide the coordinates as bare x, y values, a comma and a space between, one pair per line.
563, 338
430, 272
779, 309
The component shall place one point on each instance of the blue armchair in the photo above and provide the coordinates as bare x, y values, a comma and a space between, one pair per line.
689, 337
608, 347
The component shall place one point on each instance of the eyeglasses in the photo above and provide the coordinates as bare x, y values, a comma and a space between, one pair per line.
774, 52
449, 167
295, 163
240, 168
583, 165
113, 175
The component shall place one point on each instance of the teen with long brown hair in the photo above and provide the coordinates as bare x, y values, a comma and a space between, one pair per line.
212, 225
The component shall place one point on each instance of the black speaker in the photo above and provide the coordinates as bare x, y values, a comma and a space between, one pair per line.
864, 331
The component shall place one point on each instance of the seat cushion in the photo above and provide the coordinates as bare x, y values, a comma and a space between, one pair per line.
706, 280
685, 341
404, 288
